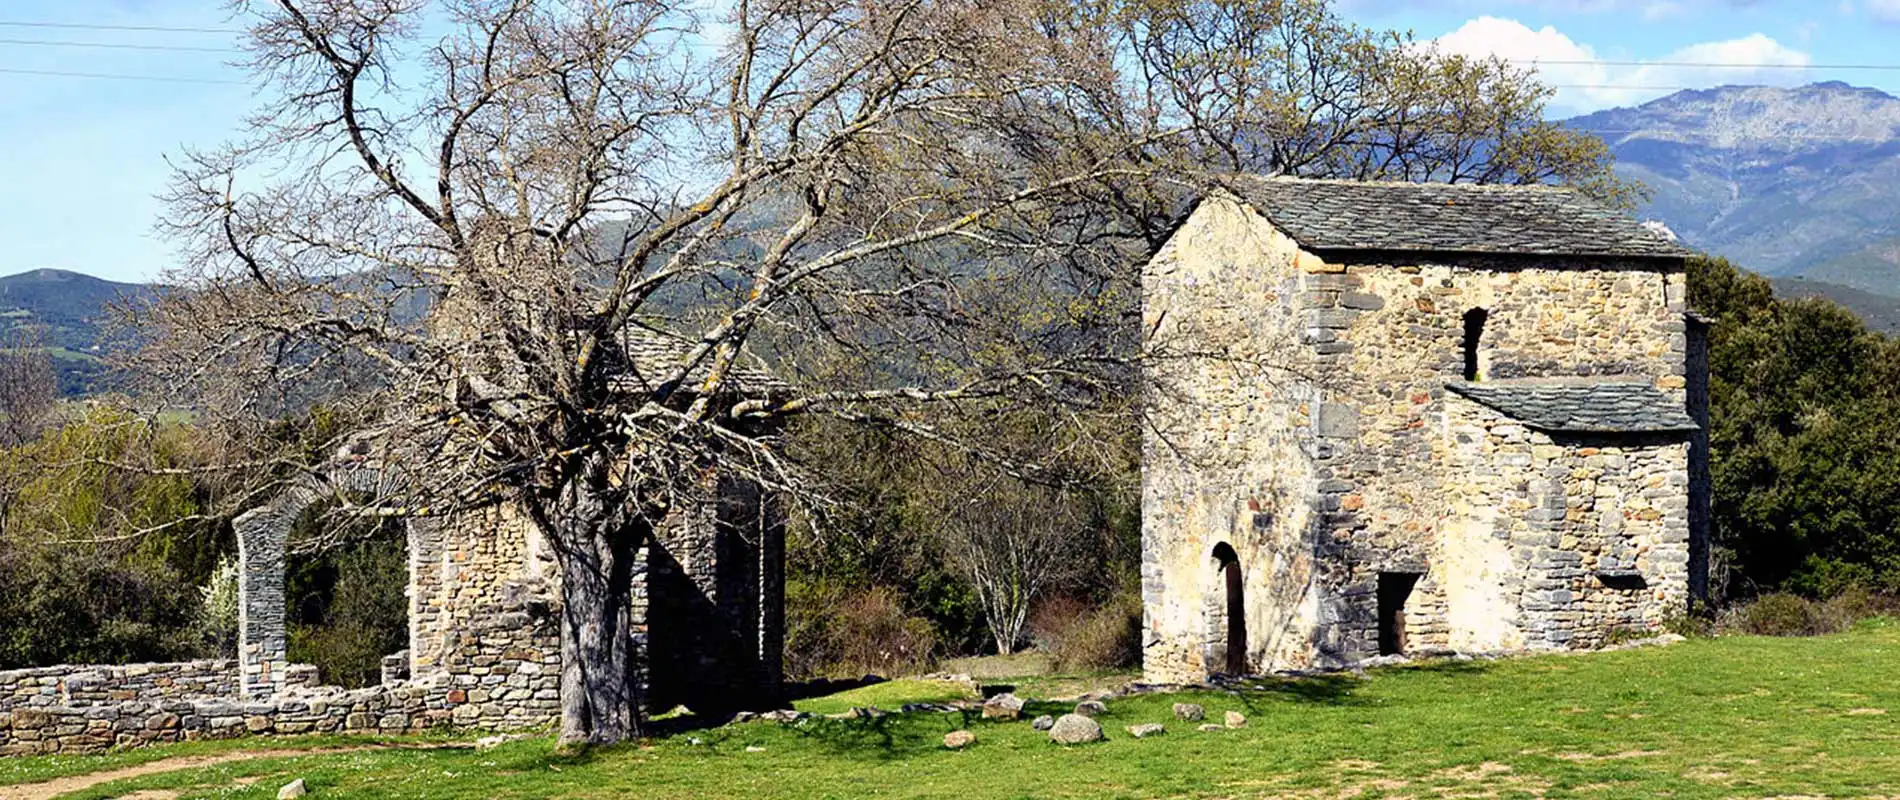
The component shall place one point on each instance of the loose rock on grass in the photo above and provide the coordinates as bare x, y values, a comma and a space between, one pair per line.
1075, 729
292, 790
1091, 708
1236, 719
1043, 723
957, 740
1146, 730
1003, 706
1189, 712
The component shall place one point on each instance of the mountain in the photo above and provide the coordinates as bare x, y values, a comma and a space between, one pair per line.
65, 313
1881, 312
1801, 182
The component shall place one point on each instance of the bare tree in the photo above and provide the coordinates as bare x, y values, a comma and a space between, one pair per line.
616, 211
29, 387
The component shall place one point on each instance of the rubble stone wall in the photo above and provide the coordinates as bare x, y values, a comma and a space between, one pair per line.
1229, 455
387, 709
88, 686
1555, 542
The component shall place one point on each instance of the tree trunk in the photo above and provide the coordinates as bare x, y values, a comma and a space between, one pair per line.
597, 542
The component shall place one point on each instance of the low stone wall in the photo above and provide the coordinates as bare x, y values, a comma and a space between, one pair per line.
402, 707
93, 685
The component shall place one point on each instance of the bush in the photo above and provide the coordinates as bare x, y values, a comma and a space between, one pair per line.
1779, 614
72, 605
836, 632
1080, 637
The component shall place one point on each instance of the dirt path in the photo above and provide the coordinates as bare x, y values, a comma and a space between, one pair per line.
46, 790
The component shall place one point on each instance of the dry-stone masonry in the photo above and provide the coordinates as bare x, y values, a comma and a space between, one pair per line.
484, 650
1403, 418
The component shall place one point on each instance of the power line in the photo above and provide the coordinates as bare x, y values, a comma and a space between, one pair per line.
113, 76
1699, 64
93, 27
117, 46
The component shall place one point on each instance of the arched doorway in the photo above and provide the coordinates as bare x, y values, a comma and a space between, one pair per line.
1231, 644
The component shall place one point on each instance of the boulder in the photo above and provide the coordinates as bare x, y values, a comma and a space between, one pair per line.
1091, 708
1043, 723
1236, 719
1075, 729
1189, 712
293, 789
957, 740
1003, 706
1146, 730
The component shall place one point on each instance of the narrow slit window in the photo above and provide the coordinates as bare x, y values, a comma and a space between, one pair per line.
1474, 331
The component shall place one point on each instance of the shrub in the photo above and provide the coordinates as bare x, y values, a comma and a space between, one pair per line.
1079, 637
1779, 614
1784, 614
836, 632
73, 605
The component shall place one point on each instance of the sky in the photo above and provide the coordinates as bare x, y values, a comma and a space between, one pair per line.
83, 156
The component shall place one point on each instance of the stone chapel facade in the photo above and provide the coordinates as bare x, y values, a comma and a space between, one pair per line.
1414, 418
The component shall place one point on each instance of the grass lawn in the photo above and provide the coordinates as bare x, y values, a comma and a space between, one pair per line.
1734, 717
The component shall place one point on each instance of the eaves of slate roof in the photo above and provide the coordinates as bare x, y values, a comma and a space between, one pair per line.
1581, 405
1336, 215
653, 356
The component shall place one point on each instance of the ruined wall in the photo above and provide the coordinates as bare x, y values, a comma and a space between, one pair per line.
86, 686
716, 579
395, 708
1228, 454
483, 615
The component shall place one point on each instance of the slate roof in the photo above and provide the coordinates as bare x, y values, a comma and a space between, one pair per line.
1337, 215
1581, 405
651, 357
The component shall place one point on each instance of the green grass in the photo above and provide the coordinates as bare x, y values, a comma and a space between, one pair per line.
888, 696
1732, 717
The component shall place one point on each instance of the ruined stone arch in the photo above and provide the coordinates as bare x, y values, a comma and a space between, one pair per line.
263, 537
1225, 648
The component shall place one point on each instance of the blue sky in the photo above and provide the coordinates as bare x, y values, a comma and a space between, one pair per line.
84, 156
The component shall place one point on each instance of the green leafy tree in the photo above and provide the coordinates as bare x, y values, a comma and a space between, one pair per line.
1805, 438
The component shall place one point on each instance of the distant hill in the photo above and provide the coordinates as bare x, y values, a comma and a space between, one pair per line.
1801, 182
67, 310
1881, 312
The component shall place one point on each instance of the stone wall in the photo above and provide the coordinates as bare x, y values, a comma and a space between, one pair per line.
1228, 454
1300, 415
89, 686
485, 650
483, 615
394, 708
1556, 541
715, 622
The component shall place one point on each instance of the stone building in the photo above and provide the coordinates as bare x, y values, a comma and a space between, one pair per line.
484, 630
1413, 418
484, 591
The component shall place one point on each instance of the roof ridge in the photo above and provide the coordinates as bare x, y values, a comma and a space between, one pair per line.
1384, 183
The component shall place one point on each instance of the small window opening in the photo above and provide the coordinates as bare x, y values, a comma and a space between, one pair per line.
1236, 609
1394, 589
1474, 330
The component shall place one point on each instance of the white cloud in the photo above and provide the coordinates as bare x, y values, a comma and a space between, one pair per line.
1651, 9
1587, 82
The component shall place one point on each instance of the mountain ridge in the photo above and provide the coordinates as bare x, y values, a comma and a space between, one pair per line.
1788, 182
